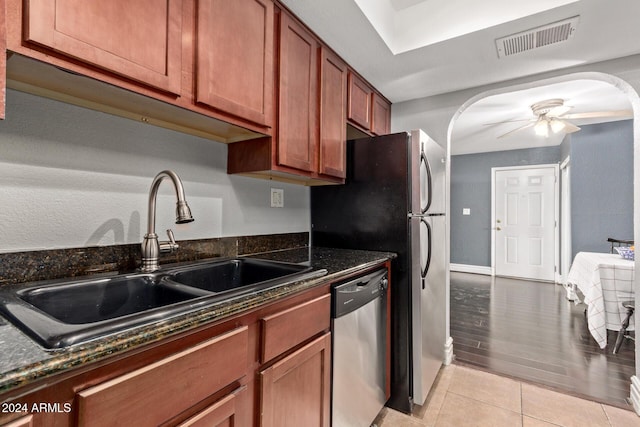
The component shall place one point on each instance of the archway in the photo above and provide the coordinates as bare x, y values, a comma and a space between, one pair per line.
635, 104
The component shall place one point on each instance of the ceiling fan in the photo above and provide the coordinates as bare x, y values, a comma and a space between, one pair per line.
550, 116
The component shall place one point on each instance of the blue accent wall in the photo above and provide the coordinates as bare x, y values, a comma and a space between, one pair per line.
471, 188
601, 185
601, 190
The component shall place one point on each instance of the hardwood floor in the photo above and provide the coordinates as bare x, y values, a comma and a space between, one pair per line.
529, 331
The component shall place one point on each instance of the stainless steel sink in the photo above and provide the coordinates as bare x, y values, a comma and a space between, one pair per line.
66, 313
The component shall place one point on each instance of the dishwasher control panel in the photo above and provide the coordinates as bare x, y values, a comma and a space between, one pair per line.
354, 293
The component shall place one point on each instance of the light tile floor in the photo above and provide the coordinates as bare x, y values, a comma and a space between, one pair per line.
467, 397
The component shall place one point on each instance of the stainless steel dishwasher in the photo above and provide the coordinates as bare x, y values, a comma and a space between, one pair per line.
359, 349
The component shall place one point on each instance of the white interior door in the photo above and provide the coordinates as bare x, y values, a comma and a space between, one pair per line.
525, 222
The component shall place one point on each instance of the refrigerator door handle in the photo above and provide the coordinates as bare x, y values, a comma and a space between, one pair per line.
425, 215
425, 162
428, 263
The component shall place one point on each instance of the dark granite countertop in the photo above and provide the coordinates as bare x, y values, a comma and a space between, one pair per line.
23, 361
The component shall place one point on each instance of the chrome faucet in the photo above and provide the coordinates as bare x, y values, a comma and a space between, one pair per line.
151, 248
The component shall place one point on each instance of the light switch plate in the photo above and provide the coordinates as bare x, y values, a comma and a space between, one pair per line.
466, 211
277, 198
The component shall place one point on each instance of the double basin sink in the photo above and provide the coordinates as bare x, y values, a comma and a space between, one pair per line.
66, 313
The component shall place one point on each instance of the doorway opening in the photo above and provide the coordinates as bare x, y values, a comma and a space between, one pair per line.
594, 363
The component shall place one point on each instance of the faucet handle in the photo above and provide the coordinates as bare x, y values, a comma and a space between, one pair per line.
171, 245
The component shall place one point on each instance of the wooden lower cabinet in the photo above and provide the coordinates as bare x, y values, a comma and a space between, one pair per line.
26, 421
286, 329
296, 390
262, 366
224, 412
155, 394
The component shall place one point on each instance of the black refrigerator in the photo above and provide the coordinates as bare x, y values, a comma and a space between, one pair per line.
393, 200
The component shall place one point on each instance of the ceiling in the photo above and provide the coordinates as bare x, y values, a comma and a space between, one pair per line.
478, 128
441, 46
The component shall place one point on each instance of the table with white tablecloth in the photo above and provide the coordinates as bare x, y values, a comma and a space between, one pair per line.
605, 280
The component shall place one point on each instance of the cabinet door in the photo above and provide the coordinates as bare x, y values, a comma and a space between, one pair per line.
333, 115
295, 391
3, 61
359, 104
298, 95
380, 115
140, 40
235, 57
221, 414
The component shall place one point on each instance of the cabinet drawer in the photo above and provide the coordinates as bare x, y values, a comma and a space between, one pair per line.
155, 393
288, 328
21, 422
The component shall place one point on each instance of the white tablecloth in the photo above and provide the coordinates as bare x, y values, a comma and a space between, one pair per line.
605, 280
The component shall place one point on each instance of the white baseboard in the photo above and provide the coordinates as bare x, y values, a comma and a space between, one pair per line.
475, 269
448, 352
635, 393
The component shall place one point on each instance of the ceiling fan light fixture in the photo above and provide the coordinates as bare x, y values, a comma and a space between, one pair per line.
541, 127
551, 116
557, 125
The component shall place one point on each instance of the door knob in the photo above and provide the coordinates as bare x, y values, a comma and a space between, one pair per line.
498, 228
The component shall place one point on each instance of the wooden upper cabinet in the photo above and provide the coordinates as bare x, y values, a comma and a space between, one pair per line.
359, 104
298, 95
140, 40
3, 62
333, 115
235, 58
380, 115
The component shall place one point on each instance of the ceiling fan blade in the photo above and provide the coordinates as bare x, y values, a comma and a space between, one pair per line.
559, 111
508, 121
528, 125
570, 127
596, 114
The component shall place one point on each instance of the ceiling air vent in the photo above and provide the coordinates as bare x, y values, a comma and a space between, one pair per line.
534, 38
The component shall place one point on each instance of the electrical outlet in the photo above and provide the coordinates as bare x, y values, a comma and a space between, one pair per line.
277, 198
